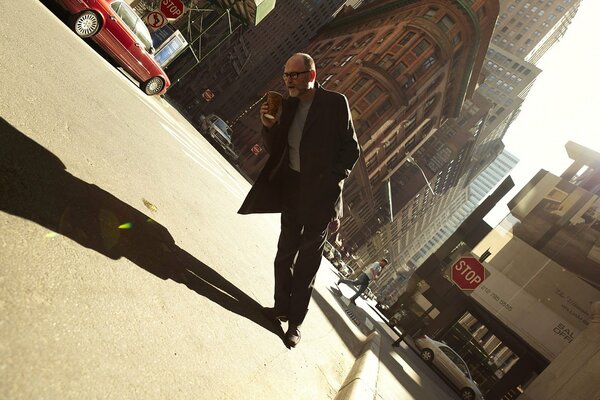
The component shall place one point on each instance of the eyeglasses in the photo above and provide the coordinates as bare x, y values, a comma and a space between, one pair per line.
293, 75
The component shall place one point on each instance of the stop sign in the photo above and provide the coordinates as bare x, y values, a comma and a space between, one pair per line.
467, 273
172, 9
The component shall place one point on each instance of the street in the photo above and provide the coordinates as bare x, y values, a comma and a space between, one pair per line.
91, 312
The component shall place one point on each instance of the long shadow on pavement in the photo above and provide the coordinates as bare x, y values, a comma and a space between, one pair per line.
35, 185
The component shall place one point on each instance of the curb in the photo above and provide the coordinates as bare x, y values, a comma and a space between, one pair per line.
361, 382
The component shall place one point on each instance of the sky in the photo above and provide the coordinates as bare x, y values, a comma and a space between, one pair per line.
562, 105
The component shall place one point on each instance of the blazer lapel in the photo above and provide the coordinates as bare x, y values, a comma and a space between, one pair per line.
316, 108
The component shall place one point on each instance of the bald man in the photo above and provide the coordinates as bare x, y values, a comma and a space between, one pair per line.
312, 149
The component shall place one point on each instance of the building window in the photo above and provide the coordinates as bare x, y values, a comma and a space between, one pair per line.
325, 62
327, 79
365, 40
386, 105
429, 62
409, 81
385, 36
386, 61
421, 47
398, 69
446, 23
324, 47
359, 85
342, 45
456, 39
346, 60
429, 104
430, 14
406, 38
373, 94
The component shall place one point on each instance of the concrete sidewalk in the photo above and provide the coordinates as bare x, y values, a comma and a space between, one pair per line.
88, 246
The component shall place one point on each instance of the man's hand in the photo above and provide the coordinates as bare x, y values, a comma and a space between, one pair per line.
334, 226
267, 122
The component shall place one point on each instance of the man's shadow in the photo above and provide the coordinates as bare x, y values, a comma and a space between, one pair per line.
35, 185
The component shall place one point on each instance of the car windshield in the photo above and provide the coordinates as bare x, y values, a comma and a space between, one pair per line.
223, 127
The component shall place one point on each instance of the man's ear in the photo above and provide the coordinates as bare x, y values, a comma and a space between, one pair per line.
313, 75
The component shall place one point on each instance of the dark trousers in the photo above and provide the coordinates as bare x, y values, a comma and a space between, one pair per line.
298, 258
362, 282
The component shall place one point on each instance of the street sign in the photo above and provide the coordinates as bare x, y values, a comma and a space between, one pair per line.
155, 20
172, 9
467, 273
256, 149
208, 95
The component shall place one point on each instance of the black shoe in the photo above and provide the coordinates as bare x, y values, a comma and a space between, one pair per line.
273, 315
292, 336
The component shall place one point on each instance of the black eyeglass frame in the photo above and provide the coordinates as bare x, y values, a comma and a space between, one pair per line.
294, 75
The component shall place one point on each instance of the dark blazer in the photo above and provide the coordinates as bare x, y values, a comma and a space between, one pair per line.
328, 151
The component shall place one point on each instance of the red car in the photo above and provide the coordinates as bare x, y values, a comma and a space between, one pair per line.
123, 35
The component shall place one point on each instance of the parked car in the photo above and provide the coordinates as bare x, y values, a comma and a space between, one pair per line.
115, 27
449, 363
219, 132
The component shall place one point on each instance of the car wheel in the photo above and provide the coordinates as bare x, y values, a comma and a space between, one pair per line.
427, 355
467, 394
153, 85
86, 24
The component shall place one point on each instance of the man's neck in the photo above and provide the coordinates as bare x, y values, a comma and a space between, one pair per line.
307, 96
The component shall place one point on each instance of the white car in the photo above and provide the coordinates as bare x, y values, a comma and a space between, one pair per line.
217, 130
451, 365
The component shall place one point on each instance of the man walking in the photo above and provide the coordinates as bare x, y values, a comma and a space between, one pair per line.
312, 148
371, 273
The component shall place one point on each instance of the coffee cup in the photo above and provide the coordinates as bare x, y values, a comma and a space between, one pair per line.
274, 101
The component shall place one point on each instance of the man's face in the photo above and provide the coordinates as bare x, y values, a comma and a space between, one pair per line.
302, 83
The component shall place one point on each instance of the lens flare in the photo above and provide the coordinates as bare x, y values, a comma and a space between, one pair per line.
126, 225
51, 234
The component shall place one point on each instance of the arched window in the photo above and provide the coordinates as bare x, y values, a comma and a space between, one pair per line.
342, 45
365, 40
385, 36
324, 47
